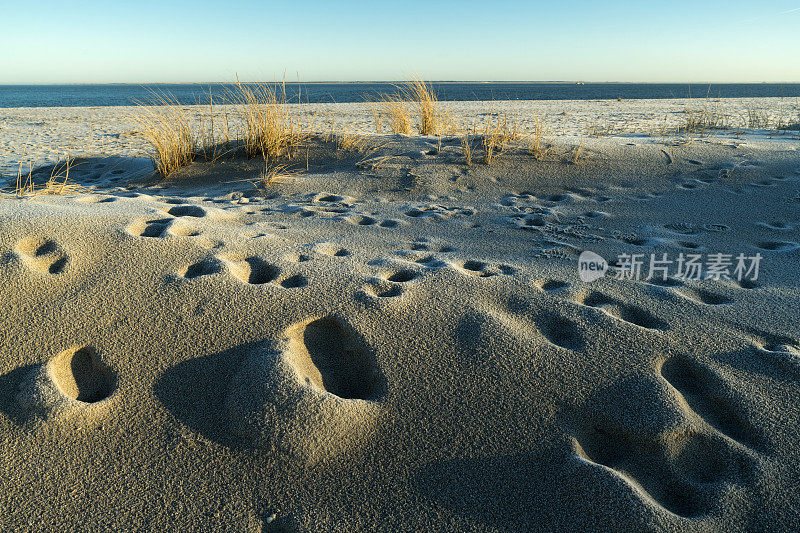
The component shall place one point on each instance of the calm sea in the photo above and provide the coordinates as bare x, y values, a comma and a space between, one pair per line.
116, 95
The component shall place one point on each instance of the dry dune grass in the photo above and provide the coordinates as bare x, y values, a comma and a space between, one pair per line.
429, 118
165, 125
466, 145
57, 184
497, 134
395, 111
420, 96
265, 128
269, 130
537, 145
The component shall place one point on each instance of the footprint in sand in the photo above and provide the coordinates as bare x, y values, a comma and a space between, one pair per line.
331, 250
187, 211
361, 220
425, 245
704, 296
333, 198
403, 275
560, 331
293, 282
421, 258
682, 228
390, 284
622, 311
646, 438
297, 258
155, 228
485, 270
251, 269
75, 378
41, 255
379, 288
551, 286
205, 267
775, 225
688, 245
389, 223
710, 396
311, 395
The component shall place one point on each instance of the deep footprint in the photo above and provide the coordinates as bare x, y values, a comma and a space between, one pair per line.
709, 396
332, 356
80, 375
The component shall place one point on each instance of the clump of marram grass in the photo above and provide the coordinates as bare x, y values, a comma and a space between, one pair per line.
57, 184
166, 127
429, 118
269, 131
537, 146
497, 135
395, 111
755, 118
700, 121
492, 141
348, 141
466, 145
420, 96
273, 173
266, 129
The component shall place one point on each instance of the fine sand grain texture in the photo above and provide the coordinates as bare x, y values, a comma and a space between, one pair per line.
403, 345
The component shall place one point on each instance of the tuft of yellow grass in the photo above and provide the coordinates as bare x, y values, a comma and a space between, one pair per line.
266, 128
273, 173
466, 145
537, 145
395, 111
492, 140
429, 119
269, 131
576, 153
57, 183
166, 127
417, 94
496, 135
347, 141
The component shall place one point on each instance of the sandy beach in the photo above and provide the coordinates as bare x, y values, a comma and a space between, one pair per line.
394, 340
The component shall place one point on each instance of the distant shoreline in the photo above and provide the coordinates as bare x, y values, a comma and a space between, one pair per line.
113, 95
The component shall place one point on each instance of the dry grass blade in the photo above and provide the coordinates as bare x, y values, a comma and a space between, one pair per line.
495, 136
576, 153
377, 119
418, 94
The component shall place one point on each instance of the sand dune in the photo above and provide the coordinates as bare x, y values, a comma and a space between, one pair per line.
408, 347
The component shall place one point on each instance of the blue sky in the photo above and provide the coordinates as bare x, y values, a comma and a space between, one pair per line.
185, 41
